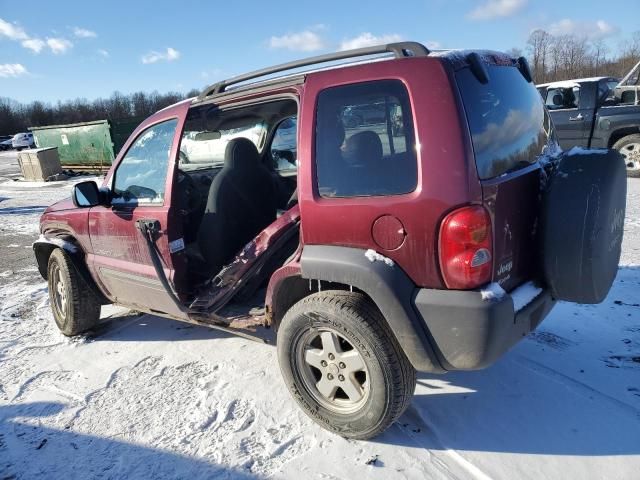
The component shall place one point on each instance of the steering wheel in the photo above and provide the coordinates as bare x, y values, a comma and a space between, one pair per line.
191, 196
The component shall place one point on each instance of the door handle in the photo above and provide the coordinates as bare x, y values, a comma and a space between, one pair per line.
577, 118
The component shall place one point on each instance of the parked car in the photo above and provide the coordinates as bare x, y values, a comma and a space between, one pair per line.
23, 140
599, 112
5, 142
360, 115
374, 256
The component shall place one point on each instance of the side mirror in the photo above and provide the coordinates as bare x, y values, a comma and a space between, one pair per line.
86, 194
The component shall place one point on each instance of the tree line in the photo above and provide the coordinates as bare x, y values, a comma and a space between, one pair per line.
564, 57
552, 57
18, 117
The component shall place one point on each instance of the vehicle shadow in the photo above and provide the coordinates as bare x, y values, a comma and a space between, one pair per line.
518, 405
525, 404
127, 327
512, 408
27, 210
28, 450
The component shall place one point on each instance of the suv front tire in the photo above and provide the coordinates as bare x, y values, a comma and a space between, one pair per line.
343, 365
75, 308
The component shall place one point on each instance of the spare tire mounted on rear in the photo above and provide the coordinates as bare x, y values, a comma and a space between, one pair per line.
582, 222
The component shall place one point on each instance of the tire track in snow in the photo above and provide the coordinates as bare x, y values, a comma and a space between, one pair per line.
47, 381
444, 455
566, 380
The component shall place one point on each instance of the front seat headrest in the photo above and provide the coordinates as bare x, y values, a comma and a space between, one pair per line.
557, 99
241, 153
363, 148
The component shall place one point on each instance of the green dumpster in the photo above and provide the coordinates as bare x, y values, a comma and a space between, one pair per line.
86, 145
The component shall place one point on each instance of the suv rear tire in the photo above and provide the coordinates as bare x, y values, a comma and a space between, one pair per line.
75, 308
343, 365
629, 148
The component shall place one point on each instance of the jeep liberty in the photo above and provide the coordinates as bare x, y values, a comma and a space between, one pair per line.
398, 210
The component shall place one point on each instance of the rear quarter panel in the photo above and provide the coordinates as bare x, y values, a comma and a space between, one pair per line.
445, 177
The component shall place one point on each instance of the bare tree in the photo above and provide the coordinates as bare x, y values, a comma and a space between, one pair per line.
599, 51
16, 117
538, 44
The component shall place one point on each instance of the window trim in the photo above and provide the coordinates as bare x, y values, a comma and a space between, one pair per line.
561, 109
414, 147
112, 180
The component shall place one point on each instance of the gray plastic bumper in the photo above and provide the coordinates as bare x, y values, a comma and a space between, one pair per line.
470, 333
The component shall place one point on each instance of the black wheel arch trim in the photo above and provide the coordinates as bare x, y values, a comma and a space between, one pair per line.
42, 249
387, 285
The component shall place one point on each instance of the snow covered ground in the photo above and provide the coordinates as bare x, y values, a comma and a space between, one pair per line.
146, 397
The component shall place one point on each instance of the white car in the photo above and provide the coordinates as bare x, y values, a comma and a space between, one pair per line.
197, 149
22, 140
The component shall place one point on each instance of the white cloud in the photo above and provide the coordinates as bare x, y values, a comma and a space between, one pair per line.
496, 9
305, 41
12, 70
103, 53
59, 45
34, 44
169, 56
12, 31
84, 33
592, 30
516, 125
367, 39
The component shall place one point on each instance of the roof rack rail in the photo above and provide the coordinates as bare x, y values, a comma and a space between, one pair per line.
400, 50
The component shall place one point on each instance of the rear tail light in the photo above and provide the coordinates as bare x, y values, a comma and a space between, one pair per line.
465, 248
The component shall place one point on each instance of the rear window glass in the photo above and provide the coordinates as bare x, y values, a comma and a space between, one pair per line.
508, 123
365, 143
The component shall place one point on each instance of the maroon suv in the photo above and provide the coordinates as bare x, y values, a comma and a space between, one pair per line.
429, 234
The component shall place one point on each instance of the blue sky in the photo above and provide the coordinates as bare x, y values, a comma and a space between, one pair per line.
59, 50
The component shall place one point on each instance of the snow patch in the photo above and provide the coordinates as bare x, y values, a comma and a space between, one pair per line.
563, 84
374, 256
524, 295
585, 151
492, 292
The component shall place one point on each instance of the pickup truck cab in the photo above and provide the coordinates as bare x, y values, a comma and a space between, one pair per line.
599, 112
426, 237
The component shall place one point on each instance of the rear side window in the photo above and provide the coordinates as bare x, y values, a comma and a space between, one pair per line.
508, 123
365, 142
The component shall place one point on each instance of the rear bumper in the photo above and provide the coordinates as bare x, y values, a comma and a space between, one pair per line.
469, 333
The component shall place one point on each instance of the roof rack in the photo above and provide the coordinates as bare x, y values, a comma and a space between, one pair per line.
400, 50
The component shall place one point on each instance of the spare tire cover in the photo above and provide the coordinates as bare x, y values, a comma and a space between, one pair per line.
582, 222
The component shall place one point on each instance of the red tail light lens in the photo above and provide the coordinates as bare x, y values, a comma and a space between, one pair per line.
465, 248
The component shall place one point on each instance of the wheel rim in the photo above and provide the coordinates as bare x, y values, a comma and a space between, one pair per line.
631, 154
333, 370
59, 290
